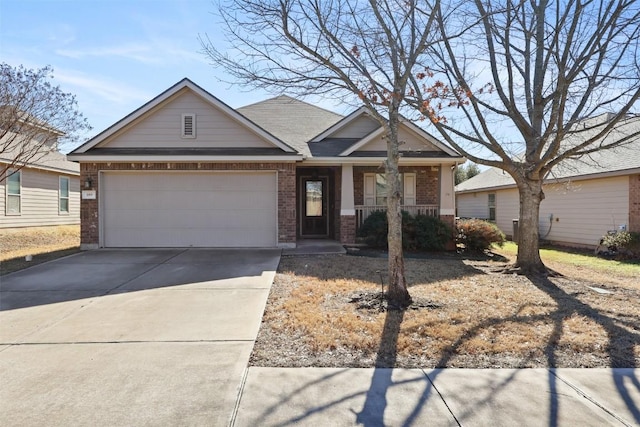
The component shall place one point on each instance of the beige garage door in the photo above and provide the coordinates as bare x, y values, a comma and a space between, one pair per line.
188, 209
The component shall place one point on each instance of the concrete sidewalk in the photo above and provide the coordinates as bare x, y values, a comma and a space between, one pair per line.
446, 397
315, 247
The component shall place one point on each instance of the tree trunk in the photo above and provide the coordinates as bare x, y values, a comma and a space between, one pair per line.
528, 260
398, 295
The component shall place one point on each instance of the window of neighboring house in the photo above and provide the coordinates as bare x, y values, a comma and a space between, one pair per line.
375, 191
188, 125
492, 206
63, 195
14, 192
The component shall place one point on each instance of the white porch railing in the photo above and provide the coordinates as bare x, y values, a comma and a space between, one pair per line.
362, 212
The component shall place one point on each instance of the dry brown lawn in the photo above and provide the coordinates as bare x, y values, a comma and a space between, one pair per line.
42, 243
468, 316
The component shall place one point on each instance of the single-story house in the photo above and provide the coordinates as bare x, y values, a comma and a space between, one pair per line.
187, 170
584, 198
43, 191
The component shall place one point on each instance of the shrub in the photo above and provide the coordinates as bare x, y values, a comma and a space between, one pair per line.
408, 231
622, 244
431, 233
421, 232
374, 230
478, 235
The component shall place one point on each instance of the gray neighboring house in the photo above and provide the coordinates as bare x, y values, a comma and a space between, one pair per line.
584, 198
44, 192
186, 170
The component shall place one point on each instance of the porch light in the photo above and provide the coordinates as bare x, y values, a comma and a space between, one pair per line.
88, 183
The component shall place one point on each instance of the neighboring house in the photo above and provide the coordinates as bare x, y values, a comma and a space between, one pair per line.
187, 170
44, 192
584, 198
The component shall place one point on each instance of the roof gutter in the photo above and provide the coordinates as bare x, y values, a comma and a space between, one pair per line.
403, 161
174, 158
552, 180
41, 167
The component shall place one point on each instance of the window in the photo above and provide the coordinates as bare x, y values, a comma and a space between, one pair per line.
63, 195
188, 125
381, 189
14, 192
314, 198
375, 189
492, 206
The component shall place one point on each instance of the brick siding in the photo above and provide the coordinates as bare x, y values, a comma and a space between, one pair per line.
89, 221
89, 212
348, 229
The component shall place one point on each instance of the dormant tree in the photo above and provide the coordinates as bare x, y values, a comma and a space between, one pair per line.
35, 117
361, 52
514, 90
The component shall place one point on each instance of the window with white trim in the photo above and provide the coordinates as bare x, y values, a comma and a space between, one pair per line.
189, 125
492, 206
13, 192
63, 195
375, 189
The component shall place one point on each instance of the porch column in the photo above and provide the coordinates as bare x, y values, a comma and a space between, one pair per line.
447, 198
347, 207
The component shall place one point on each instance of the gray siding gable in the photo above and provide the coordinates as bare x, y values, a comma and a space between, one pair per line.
222, 125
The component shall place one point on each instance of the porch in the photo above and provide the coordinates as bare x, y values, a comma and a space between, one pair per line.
333, 201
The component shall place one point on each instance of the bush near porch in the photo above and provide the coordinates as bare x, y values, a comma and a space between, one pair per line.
419, 232
477, 235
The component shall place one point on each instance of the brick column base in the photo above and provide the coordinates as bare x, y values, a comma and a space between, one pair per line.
347, 229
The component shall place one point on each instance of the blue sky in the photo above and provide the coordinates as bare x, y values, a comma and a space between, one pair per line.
115, 55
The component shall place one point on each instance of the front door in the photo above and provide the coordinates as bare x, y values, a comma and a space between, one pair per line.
314, 210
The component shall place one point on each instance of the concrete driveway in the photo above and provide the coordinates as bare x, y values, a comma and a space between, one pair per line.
130, 337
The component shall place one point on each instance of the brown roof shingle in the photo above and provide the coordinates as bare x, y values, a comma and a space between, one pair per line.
292, 121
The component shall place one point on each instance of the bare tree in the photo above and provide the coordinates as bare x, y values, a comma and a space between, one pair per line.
35, 117
514, 91
363, 53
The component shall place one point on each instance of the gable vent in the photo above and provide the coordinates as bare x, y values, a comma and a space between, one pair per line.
188, 125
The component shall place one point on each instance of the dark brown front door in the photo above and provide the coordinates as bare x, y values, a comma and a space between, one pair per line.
314, 209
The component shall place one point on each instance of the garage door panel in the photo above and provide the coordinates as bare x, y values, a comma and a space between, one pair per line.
194, 237
189, 209
157, 199
246, 182
248, 200
187, 219
193, 199
191, 181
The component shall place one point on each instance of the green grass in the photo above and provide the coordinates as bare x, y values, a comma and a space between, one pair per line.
566, 256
